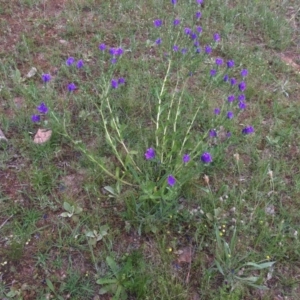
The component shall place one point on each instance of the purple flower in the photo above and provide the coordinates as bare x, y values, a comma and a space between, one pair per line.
113, 61
219, 61
113, 51
186, 158
196, 43
242, 86
242, 105
158, 41
216, 37
232, 81
230, 64
184, 50
35, 118
187, 30
193, 35
244, 72
102, 47
231, 98
206, 157
46, 77
198, 15
248, 130
228, 134
71, 87
70, 61
171, 180
213, 133
176, 22
230, 115
175, 48
226, 78
174, 1
242, 97
121, 80
199, 29
80, 64
198, 50
119, 51
42, 108
157, 23
208, 49
199, 1
213, 72
150, 153
217, 111
114, 83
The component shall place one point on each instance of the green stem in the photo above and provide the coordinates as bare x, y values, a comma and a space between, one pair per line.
119, 134
91, 158
188, 130
159, 110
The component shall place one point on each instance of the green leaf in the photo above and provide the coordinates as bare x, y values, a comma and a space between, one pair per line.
78, 210
262, 265
90, 234
110, 190
251, 279
219, 267
50, 285
68, 207
106, 281
11, 293
65, 214
217, 211
209, 217
105, 289
118, 293
112, 264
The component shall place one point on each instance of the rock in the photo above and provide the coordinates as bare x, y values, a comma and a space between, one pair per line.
3, 139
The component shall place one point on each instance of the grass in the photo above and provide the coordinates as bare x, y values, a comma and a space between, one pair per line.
85, 215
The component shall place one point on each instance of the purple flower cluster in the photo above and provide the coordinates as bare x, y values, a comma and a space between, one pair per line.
72, 87
46, 77
157, 23
217, 37
150, 154
213, 133
176, 22
42, 109
206, 158
71, 60
171, 180
219, 61
248, 130
186, 158
113, 51
116, 82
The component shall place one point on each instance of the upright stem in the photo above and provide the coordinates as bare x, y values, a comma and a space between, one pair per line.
159, 109
119, 134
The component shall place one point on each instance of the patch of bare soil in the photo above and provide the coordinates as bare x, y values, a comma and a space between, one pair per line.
22, 20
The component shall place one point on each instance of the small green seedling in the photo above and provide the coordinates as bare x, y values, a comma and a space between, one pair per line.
97, 236
70, 210
114, 282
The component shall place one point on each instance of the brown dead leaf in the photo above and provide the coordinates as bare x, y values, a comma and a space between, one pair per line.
42, 136
184, 255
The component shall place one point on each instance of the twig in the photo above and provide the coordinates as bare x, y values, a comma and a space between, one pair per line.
5, 221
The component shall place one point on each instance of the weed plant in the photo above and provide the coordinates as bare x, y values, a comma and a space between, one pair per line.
170, 172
